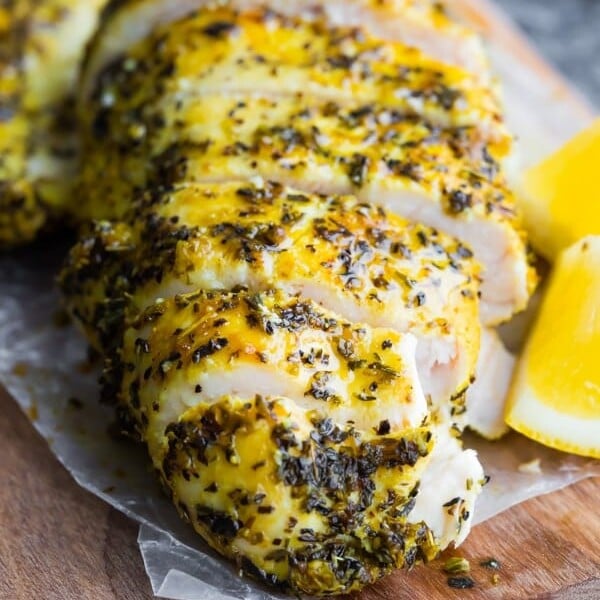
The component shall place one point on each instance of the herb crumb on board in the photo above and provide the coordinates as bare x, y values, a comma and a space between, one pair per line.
461, 583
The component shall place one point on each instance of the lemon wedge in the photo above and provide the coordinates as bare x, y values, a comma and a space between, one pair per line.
560, 197
555, 394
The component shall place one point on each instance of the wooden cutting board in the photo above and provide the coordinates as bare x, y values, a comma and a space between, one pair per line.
58, 542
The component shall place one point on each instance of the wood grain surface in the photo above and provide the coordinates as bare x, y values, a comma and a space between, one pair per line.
58, 542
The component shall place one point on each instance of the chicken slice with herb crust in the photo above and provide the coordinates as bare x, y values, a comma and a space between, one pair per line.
322, 508
207, 345
373, 119
350, 257
335, 444
41, 44
422, 24
262, 53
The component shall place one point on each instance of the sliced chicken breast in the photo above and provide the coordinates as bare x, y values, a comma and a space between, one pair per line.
246, 473
348, 256
447, 178
422, 24
272, 334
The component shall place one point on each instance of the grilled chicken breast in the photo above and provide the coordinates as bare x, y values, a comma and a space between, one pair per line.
296, 223
349, 256
41, 45
342, 445
422, 24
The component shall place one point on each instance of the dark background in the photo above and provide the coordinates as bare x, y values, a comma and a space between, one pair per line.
567, 32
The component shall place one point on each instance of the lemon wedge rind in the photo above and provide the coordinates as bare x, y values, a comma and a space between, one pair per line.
552, 428
555, 393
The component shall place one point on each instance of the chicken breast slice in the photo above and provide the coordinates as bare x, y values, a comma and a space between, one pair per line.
295, 499
221, 51
486, 397
350, 257
199, 347
182, 374
422, 24
40, 53
447, 178
448, 489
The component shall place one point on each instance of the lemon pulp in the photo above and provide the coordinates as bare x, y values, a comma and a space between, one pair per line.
565, 346
555, 396
561, 195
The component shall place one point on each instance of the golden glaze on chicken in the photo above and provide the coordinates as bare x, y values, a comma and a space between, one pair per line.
422, 24
351, 257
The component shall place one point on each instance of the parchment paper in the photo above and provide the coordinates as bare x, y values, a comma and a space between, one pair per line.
41, 365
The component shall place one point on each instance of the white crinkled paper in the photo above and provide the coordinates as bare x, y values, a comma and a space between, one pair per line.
41, 366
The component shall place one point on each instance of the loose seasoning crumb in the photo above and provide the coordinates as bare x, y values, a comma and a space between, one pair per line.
456, 565
491, 563
461, 583
32, 412
532, 467
75, 403
20, 369
495, 579
117, 432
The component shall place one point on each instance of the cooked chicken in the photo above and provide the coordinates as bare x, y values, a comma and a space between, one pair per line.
40, 48
360, 139
216, 344
283, 272
422, 24
350, 257
486, 396
18, 208
327, 502
448, 490
322, 507
222, 51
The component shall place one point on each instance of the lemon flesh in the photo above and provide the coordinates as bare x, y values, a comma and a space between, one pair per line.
555, 395
560, 197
